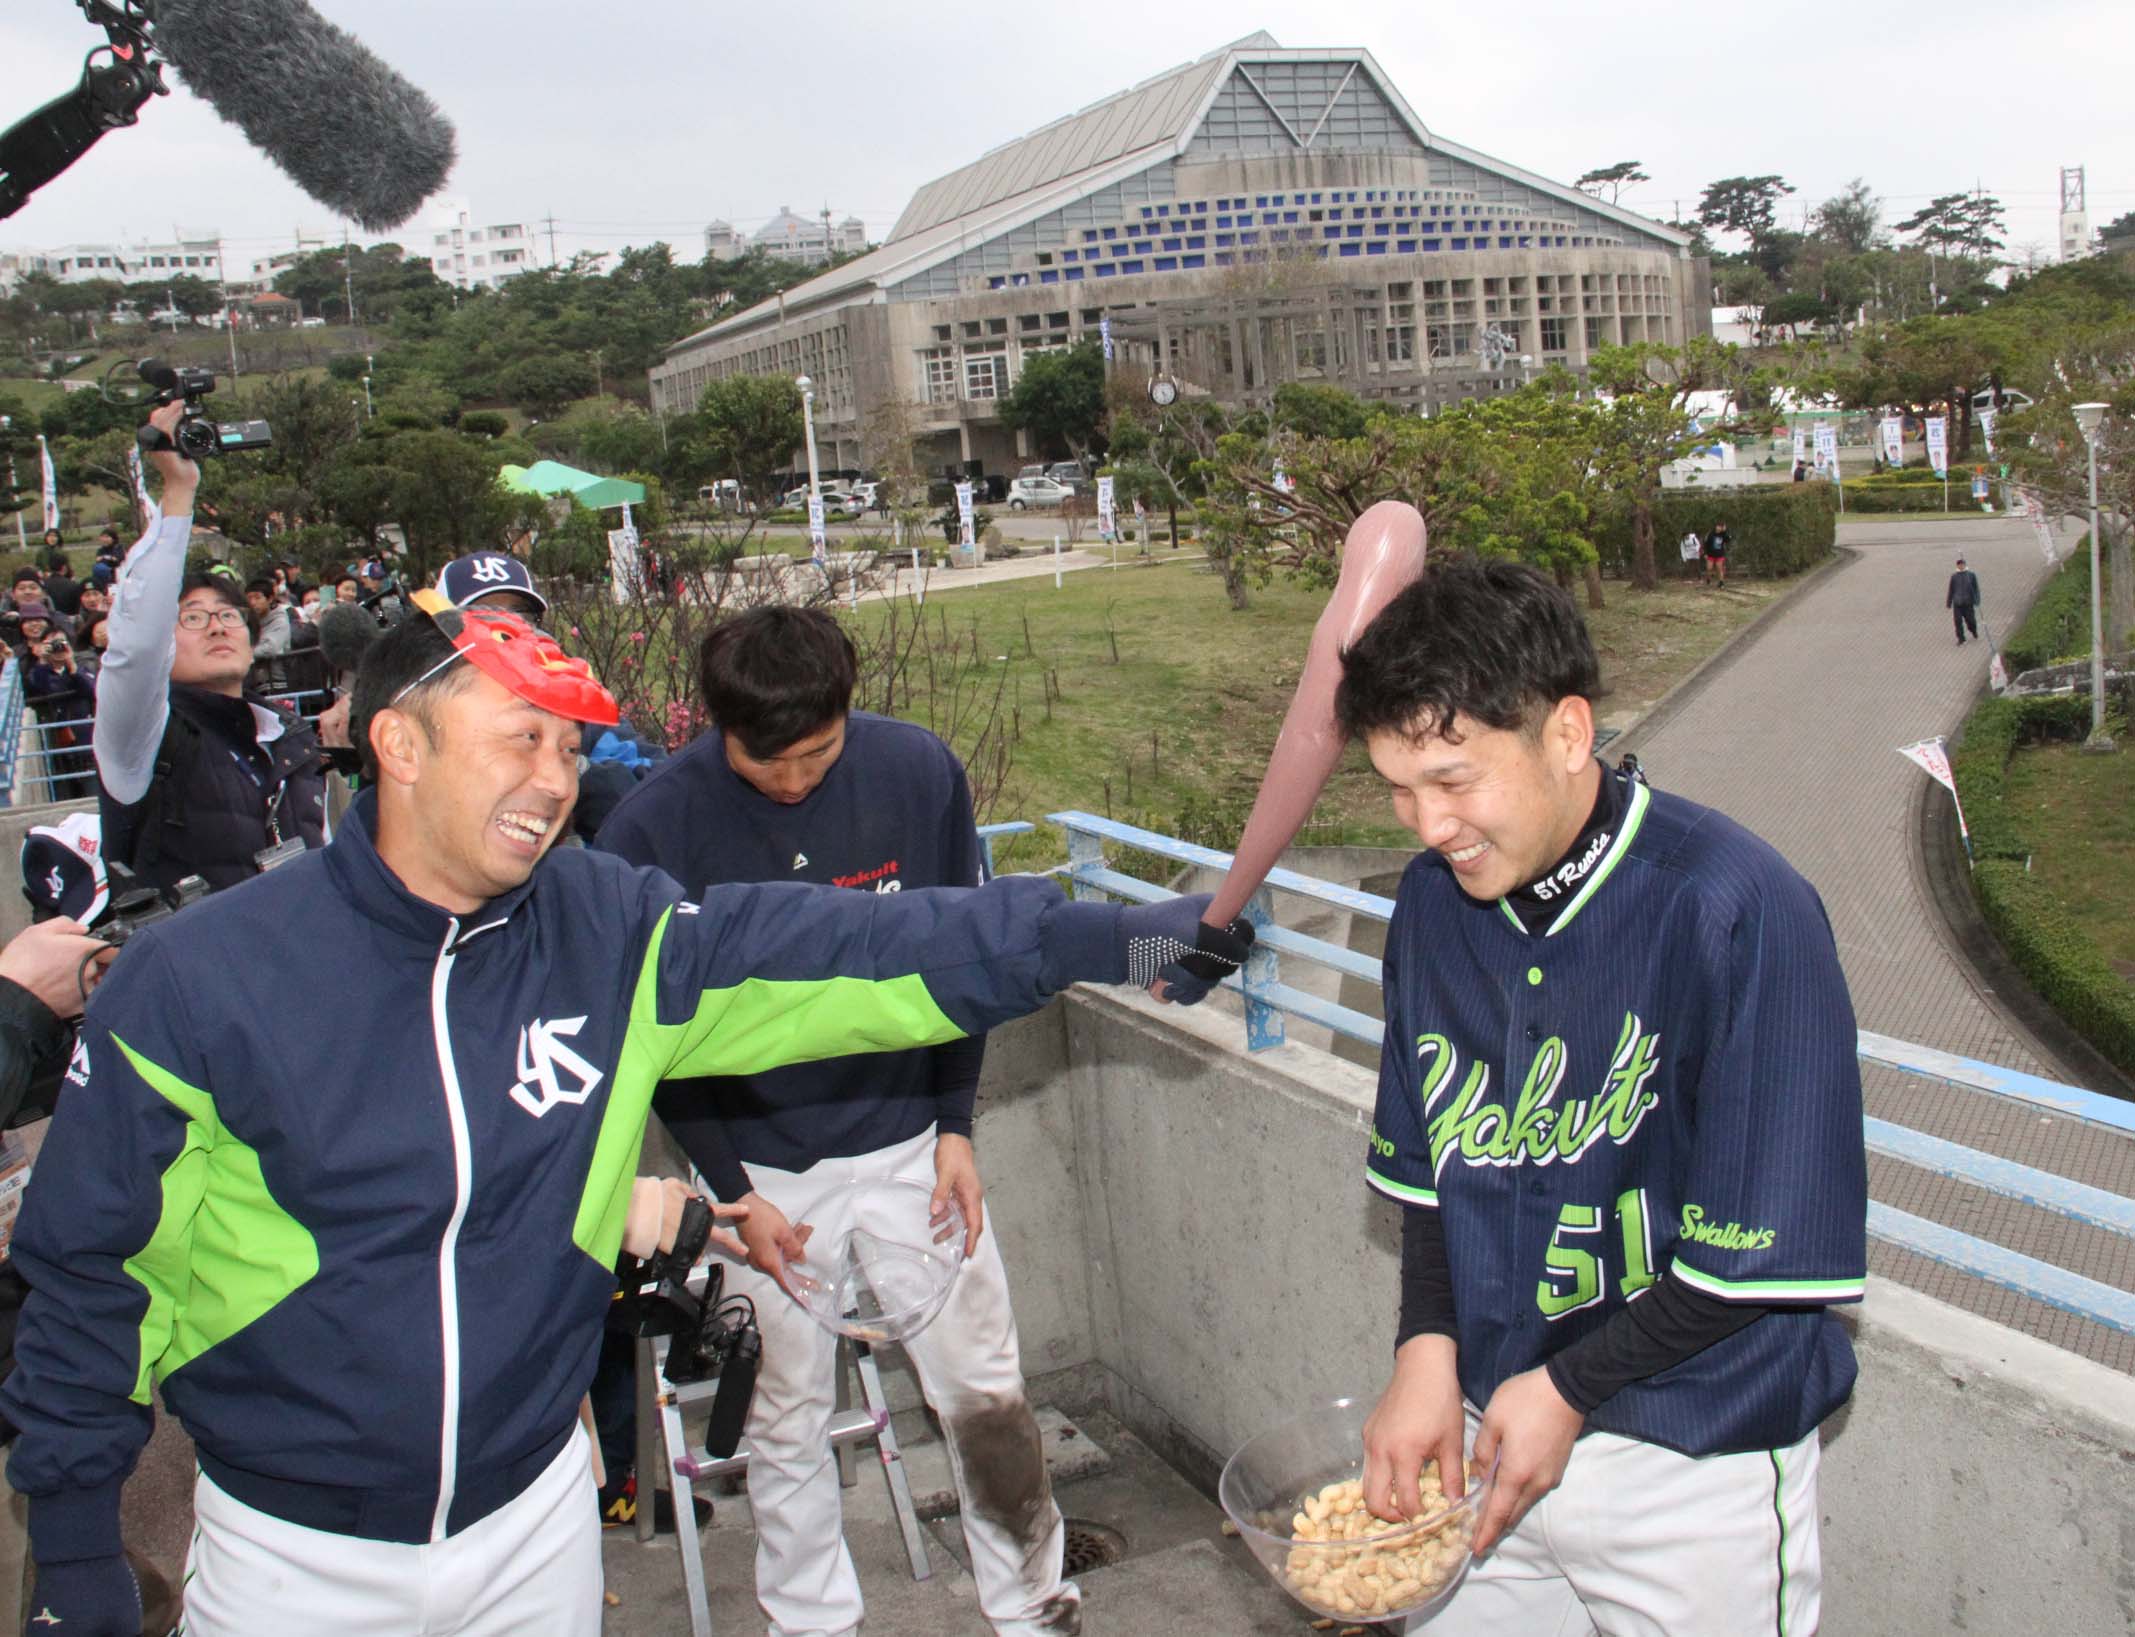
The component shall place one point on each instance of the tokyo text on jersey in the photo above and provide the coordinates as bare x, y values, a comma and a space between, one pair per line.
1661, 1076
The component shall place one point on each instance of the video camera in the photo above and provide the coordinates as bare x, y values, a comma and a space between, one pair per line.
197, 437
711, 1337
135, 905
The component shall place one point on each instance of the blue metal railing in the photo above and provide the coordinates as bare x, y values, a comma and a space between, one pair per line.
987, 832
1269, 1002
10, 727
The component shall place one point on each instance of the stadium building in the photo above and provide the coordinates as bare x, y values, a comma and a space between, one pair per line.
1255, 217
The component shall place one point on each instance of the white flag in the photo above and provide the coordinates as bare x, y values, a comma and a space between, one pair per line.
1104, 331
1893, 440
1801, 446
1938, 445
1106, 526
816, 536
51, 484
1827, 448
963, 512
1934, 758
1998, 673
1282, 479
626, 568
1986, 428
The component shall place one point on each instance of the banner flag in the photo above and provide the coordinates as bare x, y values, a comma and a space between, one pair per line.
51, 484
1998, 673
625, 566
1107, 525
1104, 330
1938, 444
1986, 428
963, 513
1801, 447
1893, 441
818, 538
1827, 448
1933, 757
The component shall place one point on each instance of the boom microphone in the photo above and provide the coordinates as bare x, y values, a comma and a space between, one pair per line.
348, 130
346, 633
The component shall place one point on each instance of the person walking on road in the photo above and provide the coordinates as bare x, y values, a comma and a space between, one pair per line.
1962, 600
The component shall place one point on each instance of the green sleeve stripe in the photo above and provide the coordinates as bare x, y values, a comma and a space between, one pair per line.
598, 1228
1407, 1194
1786, 1290
224, 1252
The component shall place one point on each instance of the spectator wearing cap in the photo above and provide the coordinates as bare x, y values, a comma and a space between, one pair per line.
270, 618
1962, 600
195, 775
96, 597
26, 586
493, 579
382, 594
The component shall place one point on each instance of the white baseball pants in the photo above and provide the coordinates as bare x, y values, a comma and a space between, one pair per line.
971, 1370
530, 1569
1638, 1541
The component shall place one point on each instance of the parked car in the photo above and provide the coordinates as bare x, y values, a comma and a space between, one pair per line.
1036, 491
1068, 473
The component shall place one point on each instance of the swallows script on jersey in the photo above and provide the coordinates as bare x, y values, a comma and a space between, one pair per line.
1537, 1129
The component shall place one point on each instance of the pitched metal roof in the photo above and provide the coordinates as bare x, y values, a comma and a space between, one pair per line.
1155, 111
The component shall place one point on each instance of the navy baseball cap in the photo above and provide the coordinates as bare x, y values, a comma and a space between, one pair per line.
63, 869
467, 580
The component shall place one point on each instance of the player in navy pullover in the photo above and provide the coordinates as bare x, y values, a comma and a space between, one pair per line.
366, 1255
793, 785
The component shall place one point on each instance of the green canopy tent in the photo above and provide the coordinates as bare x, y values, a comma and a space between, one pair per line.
551, 478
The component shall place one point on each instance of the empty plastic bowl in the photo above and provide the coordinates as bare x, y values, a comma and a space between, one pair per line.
878, 1268
1285, 1488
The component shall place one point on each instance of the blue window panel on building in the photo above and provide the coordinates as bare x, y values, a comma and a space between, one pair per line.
1431, 244
1225, 259
1249, 238
1186, 262
1375, 247
1504, 244
1315, 198
1167, 264
1406, 247
1111, 232
1289, 215
1106, 272
1089, 235
1382, 229
1526, 243
1170, 244
1223, 221
1049, 276
1200, 207
995, 282
1070, 255
1351, 249
1260, 201
1330, 233
1075, 273
1130, 267
1161, 210
1197, 242
1357, 232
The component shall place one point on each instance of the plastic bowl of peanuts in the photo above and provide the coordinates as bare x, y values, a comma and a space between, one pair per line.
1296, 1495
879, 1267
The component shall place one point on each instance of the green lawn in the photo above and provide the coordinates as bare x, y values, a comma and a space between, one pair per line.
1175, 731
2079, 811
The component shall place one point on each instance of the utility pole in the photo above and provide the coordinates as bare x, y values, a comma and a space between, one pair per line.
229, 313
348, 275
550, 222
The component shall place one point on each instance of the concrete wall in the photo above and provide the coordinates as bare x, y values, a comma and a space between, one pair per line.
1209, 1208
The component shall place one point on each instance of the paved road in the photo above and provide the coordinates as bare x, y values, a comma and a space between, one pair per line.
1794, 734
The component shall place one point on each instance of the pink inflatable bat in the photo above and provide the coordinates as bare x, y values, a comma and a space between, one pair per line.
1382, 553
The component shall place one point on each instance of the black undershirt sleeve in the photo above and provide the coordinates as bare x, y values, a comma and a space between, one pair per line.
1426, 1277
1667, 1325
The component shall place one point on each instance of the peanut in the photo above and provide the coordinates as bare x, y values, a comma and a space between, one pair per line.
1340, 1564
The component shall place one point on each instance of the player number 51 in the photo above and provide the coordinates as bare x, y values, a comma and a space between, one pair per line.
1573, 1272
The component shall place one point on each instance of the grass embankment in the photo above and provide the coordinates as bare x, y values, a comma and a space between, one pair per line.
1169, 702
2078, 814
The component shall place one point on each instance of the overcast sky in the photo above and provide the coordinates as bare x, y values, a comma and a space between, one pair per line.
637, 120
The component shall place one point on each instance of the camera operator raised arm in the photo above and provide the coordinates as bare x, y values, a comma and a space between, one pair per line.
195, 776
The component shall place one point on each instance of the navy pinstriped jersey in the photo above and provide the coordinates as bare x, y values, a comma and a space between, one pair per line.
1663, 1076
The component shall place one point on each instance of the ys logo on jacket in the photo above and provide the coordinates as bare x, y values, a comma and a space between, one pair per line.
542, 1054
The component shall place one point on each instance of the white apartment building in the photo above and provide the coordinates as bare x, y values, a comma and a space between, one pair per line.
197, 256
473, 255
809, 240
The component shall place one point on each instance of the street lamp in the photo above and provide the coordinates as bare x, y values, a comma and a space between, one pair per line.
2089, 419
368, 412
815, 483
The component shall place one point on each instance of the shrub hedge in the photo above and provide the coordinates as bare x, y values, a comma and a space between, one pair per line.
2057, 959
1774, 529
2059, 624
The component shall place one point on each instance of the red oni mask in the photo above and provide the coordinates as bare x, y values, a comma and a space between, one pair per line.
505, 648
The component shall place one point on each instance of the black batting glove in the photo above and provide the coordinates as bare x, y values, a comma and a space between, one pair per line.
1171, 944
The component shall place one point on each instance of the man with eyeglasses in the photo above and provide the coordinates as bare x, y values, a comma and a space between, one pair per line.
195, 776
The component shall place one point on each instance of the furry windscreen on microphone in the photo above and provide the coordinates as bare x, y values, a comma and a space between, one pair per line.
346, 633
350, 132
